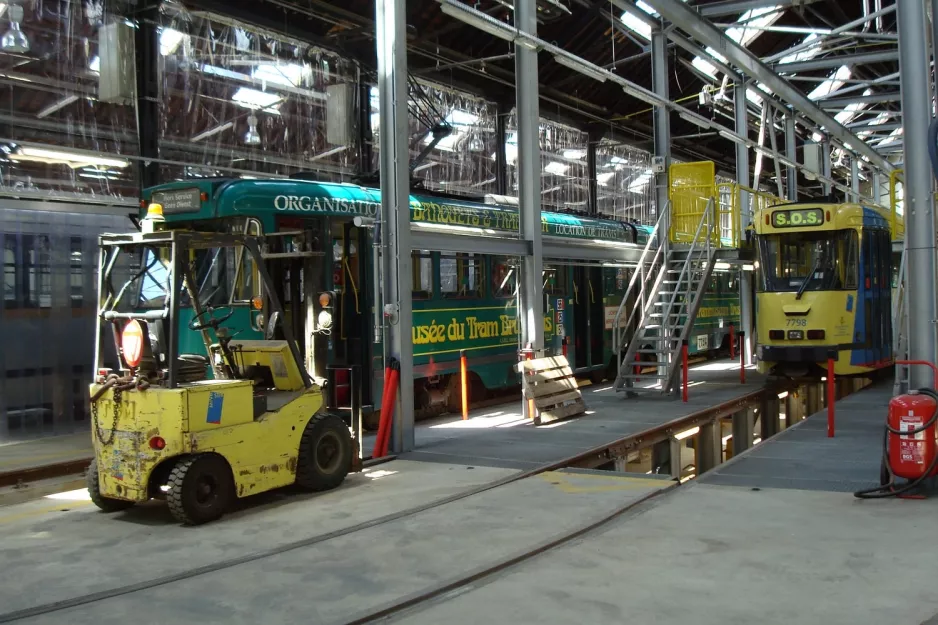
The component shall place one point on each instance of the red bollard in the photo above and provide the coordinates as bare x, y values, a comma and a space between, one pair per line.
563, 344
638, 367
684, 368
831, 397
464, 379
742, 358
732, 341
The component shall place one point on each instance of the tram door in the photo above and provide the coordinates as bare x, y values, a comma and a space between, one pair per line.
876, 295
351, 334
588, 316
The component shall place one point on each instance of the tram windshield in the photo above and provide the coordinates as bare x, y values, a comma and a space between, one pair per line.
808, 261
224, 275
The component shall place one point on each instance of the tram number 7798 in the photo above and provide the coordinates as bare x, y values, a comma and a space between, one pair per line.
797, 323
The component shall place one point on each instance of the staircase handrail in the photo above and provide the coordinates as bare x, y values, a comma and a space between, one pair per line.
640, 271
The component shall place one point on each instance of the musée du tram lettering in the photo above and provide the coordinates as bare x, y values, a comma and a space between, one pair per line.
470, 331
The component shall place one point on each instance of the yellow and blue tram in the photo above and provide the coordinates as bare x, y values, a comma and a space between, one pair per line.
824, 289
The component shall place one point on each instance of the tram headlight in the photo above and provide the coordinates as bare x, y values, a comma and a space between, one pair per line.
324, 319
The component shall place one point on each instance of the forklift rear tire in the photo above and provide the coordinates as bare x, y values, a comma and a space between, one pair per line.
200, 489
94, 491
325, 456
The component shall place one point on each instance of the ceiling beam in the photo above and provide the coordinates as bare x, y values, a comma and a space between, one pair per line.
875, 98
885, 56
684, 17
736, 7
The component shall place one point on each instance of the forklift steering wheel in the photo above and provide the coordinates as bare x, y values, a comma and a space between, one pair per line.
212, 321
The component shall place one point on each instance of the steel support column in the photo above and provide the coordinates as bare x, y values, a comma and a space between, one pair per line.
531, 300
826, 165
743, 424
391, 33
592, 144
919, 207
742, 177
769, 417
791, 151
501, 158
855, 177
709, 451
934, 46
666, 457
147, 55
662, 116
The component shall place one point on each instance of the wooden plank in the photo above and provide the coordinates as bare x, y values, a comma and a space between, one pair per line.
548, 388
555, 400
561, 412
538, 364
553, 374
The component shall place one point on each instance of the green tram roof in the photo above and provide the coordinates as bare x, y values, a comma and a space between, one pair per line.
267, 199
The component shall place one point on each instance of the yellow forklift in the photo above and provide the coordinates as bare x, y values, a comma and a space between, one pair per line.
200, 431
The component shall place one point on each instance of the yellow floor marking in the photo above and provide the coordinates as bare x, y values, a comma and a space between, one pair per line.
10, 518
565, 482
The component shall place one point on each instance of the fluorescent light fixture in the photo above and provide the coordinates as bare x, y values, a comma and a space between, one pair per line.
212, 132
52, 108
687, 433
72, 159
556, 168
732, 136
582, 67
694, 119
749, 267
253, 99
783, 395
721, 266
335, 150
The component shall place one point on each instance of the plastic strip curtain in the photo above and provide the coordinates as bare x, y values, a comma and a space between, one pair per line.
624, 182
47, 319
239, 100
564, 171
463, 162
59, 141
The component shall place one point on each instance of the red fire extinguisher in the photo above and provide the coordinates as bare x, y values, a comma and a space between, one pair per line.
910, 443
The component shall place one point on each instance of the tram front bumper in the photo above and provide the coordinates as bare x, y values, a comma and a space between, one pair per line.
805, 353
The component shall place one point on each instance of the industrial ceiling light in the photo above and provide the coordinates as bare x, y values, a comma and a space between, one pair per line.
580, 66
476, 144
252, 137
15, 39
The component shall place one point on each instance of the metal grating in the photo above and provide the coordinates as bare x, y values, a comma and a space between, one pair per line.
803, 458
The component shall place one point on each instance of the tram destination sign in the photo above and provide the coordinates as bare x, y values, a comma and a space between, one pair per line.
798, 218
179, 200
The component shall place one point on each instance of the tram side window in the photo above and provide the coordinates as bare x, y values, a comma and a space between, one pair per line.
461, 275
422, 269
850, 255
504, 277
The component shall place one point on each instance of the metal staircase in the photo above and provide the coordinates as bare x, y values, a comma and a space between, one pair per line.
900, 331
661, 303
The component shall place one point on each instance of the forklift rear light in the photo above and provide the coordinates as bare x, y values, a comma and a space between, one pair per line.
157, 443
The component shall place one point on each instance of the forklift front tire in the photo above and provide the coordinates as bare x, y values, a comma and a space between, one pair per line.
325, 455
106, 504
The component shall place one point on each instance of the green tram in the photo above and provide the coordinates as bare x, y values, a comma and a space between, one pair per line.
323, 260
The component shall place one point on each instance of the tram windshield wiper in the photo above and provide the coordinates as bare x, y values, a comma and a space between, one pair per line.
807, 278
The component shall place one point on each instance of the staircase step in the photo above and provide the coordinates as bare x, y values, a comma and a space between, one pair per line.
652, 351
643, 376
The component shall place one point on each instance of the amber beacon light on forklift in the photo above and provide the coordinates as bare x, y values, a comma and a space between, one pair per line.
824, 289
201, 431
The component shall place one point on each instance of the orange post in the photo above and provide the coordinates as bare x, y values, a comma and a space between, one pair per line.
742, 359
529, 355
732, 341
831, 396
684, 369
464, 379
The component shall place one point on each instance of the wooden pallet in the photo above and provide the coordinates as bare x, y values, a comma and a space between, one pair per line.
550, 383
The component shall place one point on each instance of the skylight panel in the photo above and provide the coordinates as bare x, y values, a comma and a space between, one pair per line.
752, 22
805, 54
170, 38
640, 183
851, 110
556, 168
834, 82
636, 24
603, 179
